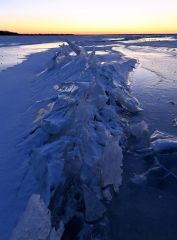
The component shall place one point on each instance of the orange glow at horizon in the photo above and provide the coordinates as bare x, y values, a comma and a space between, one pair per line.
44, 28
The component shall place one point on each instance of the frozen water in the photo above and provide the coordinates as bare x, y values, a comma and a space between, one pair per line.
71, 109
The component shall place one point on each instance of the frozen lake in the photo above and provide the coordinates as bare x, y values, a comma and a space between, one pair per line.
88, 89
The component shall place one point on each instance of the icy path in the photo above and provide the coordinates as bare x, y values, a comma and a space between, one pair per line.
17, 93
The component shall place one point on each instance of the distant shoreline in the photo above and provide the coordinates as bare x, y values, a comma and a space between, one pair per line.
9, 33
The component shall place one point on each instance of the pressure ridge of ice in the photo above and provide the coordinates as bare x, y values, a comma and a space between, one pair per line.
75, 150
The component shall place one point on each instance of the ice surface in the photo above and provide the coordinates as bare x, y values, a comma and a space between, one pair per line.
74, 147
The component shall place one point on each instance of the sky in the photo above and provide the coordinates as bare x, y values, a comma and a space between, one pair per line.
89, 16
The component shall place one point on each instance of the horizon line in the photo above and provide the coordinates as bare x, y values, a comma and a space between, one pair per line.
129, 33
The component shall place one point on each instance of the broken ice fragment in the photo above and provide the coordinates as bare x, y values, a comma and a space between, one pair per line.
153, 174
77, 49
55, 126
111, 172
175, 122
123, 98
161, 143
107, 194
139, 179
164, 145
94, 209
57, 234
160, 135
139, 130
